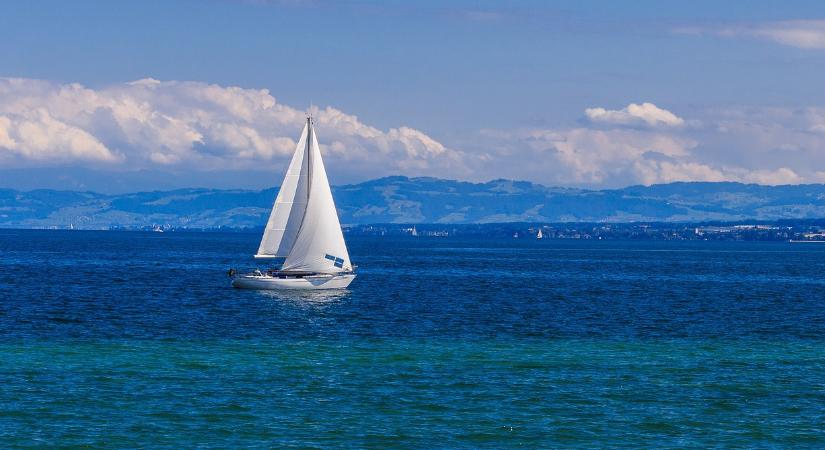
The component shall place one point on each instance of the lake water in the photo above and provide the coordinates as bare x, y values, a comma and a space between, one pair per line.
119, 339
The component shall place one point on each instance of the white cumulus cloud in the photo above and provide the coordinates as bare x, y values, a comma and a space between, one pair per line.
765, 145
596, 157
37, 135
635, 114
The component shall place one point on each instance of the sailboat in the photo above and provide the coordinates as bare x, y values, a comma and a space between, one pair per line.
539, 235
303, 229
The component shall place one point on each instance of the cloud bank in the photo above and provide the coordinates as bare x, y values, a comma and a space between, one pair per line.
643, 143
189, 127
149, 124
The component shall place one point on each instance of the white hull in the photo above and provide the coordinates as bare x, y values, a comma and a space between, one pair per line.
266, 282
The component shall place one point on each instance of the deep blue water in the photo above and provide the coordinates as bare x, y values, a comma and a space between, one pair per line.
116, 339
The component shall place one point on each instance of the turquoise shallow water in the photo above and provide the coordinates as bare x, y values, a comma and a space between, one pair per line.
136, 340
414, 393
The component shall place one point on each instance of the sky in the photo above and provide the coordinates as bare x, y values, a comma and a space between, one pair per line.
124, 96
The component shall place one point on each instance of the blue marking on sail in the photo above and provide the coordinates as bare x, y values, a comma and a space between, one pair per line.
336, 261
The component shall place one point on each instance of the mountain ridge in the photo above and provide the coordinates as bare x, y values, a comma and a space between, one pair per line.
400, 199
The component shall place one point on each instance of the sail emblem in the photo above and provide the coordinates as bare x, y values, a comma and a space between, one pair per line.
338, 262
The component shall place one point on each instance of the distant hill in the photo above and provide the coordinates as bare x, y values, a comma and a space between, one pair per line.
419, 200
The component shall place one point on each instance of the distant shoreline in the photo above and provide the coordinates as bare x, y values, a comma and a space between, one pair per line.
792, 231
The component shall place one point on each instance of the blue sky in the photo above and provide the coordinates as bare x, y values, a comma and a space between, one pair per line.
562, 93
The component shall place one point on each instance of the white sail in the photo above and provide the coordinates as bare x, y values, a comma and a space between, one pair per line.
290, 205
319, 245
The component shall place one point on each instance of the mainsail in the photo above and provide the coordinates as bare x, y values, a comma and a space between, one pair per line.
303, 226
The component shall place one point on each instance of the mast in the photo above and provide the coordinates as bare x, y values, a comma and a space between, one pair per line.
308, 151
